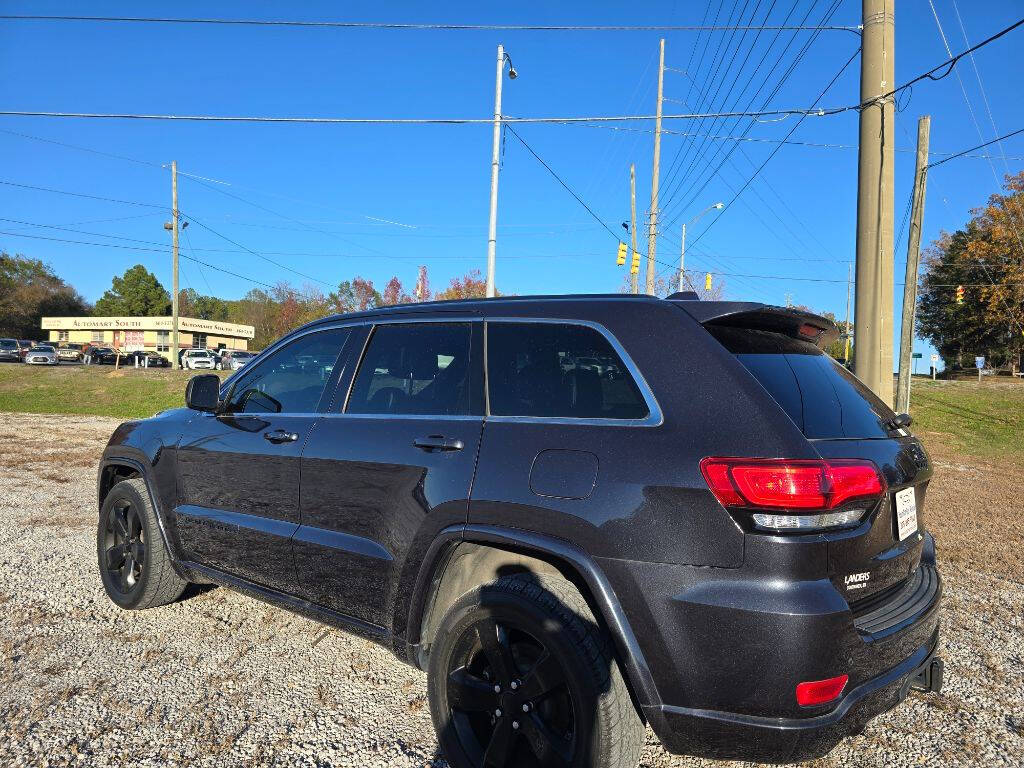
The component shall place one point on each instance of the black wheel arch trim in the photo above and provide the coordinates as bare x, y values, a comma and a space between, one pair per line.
140, 467
529, 543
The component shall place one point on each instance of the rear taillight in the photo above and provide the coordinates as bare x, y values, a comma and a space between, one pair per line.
820, 691
822, 493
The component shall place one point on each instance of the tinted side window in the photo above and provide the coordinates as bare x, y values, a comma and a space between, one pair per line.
293, 378
558, 370
416, 369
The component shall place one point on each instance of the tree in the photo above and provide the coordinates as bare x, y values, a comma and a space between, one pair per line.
29, 290
987, 259
137, 293
193, 304
394, 294
357, 295
470, 286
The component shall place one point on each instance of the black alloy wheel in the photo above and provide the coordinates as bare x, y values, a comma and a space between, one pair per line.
124, 546
509, 698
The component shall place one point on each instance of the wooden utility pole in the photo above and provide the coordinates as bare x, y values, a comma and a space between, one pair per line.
849, 281
652, 234
873, 326
913, 254
175, 363
634, 278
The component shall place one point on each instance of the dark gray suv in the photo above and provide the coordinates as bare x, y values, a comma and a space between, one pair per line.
578, 514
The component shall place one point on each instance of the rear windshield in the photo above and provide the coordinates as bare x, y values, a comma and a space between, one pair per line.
819, 395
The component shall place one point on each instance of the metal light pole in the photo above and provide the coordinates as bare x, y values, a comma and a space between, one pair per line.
682, 248
492, 229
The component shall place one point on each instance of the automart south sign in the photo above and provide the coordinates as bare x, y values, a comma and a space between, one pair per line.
187, 324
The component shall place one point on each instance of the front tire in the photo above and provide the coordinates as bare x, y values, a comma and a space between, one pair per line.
520, 674
134, 564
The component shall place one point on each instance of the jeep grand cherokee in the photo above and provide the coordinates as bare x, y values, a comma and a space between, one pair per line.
725, 540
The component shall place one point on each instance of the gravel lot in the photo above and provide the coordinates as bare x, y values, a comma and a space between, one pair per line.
219, 679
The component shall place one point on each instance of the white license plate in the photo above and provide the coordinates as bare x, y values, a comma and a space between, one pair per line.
906, 513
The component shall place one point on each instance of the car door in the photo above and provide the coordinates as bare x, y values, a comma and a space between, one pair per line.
386, 470
238, 470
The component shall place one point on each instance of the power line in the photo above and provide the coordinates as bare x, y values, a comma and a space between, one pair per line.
948, 65
408, 26
775, 151
562, 182
80, 194
965, 152
254, 253
408, 120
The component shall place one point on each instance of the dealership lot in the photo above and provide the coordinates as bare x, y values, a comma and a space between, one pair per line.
221, 679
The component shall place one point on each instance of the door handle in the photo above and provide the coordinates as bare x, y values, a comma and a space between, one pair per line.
277, 436
433, 443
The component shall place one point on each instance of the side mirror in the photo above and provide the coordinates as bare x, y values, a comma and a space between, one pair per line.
202, 393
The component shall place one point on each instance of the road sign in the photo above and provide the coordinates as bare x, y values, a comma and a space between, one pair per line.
979, 362
935, 358
917, 355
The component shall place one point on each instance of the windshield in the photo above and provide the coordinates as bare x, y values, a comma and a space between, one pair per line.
8, 344
41, 349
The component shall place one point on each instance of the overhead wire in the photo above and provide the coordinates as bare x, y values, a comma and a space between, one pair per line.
406, 26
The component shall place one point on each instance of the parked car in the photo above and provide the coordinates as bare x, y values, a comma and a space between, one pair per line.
146, 358
727, 541
104, 355
70, 352
10, 350
42, 354
200, 358
235, 359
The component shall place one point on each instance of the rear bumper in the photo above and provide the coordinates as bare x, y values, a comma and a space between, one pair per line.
729, 736
727, 648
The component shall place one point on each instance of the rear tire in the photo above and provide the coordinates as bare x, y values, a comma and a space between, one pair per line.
521, 674
134, 563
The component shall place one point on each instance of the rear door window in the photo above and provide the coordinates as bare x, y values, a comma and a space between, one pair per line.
558, 370
419, 369
819, 395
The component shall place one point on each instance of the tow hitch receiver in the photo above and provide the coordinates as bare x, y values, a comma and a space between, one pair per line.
929, 677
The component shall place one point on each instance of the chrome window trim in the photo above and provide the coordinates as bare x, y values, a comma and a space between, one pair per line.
654, 416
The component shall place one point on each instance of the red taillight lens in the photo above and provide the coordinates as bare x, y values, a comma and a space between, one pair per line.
820, 691
791, 483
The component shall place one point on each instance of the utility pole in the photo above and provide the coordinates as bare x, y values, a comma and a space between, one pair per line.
849, 281
913, 254
634, 279
492, 229
682, 260
652, 234
873, 326
175, 363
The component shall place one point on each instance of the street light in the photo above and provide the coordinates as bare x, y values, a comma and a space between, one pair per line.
492, 230
682, 247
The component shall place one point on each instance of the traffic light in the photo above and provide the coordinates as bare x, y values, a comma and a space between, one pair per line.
621, 258
959, 294
634, 267
707, 282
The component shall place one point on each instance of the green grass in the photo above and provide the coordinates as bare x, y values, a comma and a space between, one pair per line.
93, 390
985, 420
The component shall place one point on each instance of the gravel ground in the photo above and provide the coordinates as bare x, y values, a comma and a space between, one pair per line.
219, 679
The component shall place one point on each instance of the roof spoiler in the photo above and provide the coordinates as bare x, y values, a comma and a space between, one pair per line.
788, 321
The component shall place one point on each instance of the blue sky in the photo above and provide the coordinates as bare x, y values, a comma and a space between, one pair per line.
334, 201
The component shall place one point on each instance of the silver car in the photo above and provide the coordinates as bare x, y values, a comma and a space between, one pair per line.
42, 354
235, 360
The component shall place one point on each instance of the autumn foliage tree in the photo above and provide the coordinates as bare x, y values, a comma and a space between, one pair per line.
986, 257
29, 290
